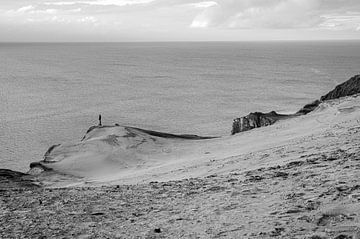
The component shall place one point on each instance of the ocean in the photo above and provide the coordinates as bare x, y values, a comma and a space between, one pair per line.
53, 92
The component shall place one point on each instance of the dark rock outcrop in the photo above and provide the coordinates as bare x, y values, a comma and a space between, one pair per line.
350, 87
309, 107
258, 119
150, 132
173, 136
48, 152
12, 179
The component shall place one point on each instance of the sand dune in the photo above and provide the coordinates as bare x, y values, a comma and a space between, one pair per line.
295, 179
122, 155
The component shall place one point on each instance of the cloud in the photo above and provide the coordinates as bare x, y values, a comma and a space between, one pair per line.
75, 10
30, 10
181, 19
203, 4
278, 14
118, 3
259, 14
88, 19
20, 10
45, 11
41, 14
25, 9
348, 21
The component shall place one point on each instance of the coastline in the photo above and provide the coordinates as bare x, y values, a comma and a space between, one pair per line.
297, 178
311, 191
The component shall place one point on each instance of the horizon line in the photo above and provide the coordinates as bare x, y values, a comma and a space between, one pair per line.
193, 41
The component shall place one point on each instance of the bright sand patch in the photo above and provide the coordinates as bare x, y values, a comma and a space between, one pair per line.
125, 155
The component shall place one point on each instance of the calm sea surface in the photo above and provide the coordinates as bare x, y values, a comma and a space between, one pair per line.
52, 93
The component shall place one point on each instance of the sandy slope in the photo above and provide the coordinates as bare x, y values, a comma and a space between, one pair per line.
296, 179
120, 154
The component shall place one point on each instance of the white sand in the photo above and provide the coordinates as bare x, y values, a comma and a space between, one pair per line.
120, 155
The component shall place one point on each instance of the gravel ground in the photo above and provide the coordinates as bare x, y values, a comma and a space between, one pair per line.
317, 196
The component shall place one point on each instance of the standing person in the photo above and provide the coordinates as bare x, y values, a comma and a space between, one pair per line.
100, 120
236, 126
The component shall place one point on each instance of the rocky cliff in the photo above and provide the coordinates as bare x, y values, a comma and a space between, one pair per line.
259, 119
350, 87
256, 120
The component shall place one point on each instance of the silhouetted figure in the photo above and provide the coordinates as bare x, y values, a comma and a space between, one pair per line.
236, 126
100, 120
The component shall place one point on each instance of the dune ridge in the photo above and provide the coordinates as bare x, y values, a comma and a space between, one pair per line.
123, 154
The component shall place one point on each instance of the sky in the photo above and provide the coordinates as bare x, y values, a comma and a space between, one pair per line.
178, 20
